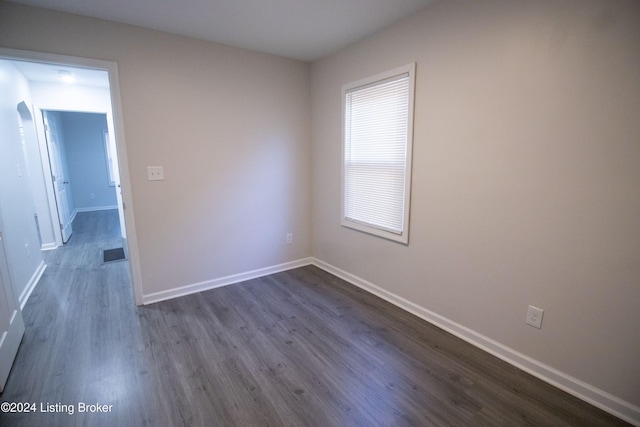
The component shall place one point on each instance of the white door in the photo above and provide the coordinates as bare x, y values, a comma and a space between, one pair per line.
11, 323
60, 180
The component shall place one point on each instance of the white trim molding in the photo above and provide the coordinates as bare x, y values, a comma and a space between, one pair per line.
223, 281
596, 397
48, 246
33, 282
95, 208
73, 216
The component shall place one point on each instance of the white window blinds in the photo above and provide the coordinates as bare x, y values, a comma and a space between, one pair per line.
377, 149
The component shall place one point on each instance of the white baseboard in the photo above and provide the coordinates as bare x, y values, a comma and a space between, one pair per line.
48, 246
94, 209
222, 281
35, 278
567, 383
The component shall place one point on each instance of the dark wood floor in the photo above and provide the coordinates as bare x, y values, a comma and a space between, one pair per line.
299, 348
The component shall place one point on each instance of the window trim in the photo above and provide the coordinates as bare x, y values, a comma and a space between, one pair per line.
403, 237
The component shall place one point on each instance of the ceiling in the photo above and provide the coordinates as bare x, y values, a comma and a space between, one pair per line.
301, 29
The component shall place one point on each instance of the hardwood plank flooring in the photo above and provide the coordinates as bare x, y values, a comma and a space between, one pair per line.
298, 348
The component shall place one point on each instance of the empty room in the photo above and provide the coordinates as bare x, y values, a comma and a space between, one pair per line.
305, 213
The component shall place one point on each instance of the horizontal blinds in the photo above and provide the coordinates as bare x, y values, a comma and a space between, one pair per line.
376, 122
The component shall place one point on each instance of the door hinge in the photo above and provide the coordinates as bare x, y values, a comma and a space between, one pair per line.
61, 227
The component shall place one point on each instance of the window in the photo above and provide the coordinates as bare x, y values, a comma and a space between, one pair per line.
376, 168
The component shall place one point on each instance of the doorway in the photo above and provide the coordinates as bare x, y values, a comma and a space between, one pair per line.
81, 165
69, 98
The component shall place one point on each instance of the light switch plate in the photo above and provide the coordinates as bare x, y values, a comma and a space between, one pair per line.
155, 173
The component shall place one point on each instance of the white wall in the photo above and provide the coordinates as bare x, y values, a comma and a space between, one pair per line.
66, 97
37, 177
526, 177
230, 127
86, 156
21, 243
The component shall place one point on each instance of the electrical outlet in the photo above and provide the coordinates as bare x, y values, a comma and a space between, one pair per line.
289, 238
534, 316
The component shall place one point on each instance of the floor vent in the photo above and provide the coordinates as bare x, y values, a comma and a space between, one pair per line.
111, 255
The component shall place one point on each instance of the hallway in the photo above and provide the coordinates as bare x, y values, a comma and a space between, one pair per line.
80, 308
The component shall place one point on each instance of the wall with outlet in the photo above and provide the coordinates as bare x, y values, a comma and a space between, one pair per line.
525, 178
525, 167
17, 221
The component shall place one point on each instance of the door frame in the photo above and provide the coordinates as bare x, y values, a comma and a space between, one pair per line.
45, 155
118, 134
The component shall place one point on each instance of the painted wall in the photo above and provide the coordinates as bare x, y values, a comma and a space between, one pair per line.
36, 176
86, 157
526, 177
230, 126
17, 221
65, 97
